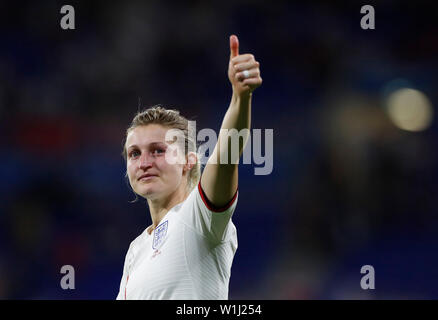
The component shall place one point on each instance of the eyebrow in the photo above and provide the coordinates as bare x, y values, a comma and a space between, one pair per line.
153, 144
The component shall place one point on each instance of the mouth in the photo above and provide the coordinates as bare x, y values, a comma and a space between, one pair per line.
147, 177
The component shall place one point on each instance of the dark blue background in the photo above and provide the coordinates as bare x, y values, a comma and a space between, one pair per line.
348, 188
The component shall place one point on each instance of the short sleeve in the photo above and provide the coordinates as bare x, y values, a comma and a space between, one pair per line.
212, 222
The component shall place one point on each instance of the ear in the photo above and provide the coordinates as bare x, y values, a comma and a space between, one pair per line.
191, 160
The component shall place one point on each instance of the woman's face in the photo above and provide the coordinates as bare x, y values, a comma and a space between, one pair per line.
154, 169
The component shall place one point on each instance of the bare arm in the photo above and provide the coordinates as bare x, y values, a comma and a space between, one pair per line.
220, 177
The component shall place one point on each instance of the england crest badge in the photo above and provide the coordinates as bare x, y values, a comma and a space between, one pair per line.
159, 235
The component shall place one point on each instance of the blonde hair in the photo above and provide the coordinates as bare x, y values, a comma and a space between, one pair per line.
172, 119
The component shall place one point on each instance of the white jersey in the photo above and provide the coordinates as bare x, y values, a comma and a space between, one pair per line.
188, 256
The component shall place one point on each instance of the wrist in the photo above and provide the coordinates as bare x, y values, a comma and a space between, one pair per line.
242, 98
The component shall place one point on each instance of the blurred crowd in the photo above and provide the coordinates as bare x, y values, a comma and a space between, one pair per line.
348, 188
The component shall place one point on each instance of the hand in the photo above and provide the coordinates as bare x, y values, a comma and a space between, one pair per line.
242, 87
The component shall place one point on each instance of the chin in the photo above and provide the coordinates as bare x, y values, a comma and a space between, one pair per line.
149, 191
154, 191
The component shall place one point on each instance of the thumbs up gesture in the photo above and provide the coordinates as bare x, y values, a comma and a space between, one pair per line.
243, 70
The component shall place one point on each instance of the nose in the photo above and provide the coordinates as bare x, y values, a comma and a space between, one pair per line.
146, 161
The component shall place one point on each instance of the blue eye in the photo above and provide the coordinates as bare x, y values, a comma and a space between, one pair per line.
134, 153
158, 151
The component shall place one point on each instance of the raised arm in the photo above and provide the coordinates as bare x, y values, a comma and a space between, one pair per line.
219, 179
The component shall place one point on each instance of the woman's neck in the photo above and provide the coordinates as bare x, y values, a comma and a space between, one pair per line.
158, 208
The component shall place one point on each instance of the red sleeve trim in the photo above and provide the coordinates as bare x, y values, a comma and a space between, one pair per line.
212, 207
126, 285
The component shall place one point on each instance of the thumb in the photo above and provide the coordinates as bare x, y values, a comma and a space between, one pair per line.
234, 46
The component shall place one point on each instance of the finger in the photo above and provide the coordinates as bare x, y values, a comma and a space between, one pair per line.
246, 66
242, 58
234, 46
250, 74
252, 81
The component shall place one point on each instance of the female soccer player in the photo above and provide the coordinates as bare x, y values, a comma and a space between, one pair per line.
188, 250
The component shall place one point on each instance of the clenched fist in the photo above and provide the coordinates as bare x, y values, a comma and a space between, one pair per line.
243, 70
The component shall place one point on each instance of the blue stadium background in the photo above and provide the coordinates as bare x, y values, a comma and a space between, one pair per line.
348, 187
